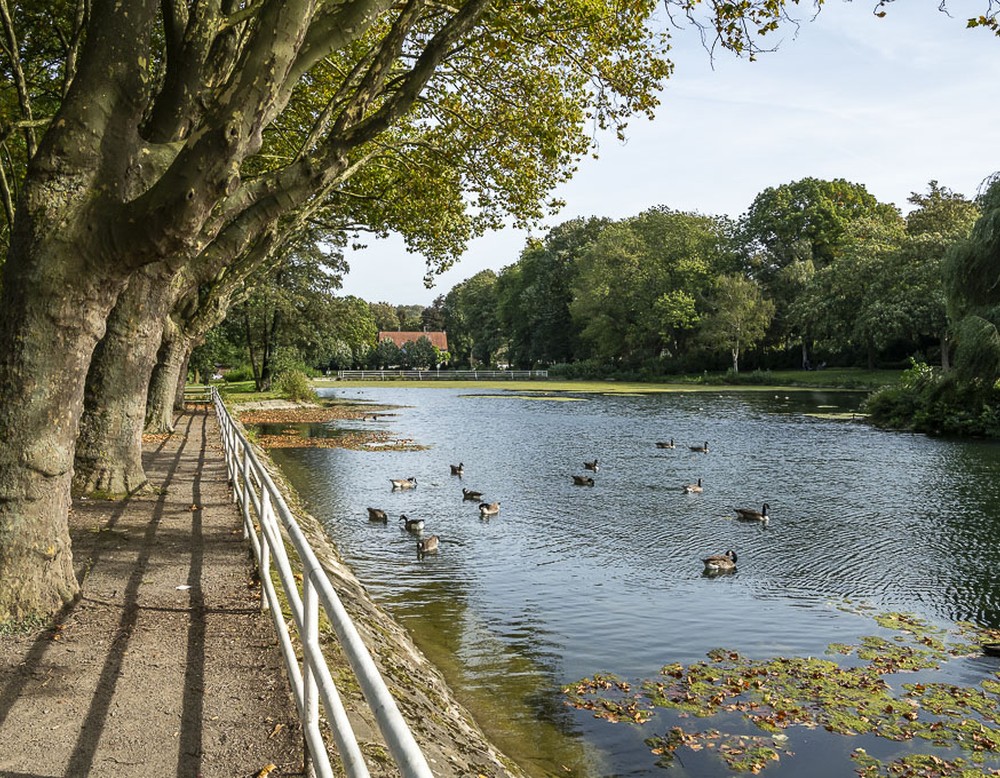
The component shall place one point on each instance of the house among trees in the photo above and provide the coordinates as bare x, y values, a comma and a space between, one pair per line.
410, 349
438, 339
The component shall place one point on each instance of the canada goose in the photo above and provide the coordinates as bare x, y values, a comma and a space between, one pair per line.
489, 509
377, 514
411, 525
456, 469
583, 480
469, 494
693, 488
590, 465
661, 444
720, 563
700, 449
404, 483
427, 545
748, 514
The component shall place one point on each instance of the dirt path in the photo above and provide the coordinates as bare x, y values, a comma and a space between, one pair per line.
165, 666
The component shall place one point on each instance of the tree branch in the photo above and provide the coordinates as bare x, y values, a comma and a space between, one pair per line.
400, 102
373, 80
332, 32
72, 44
23, 96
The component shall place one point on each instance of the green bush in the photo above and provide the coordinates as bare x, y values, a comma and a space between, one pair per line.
238, 374
926, 400
585, 369
755, 378
294, 385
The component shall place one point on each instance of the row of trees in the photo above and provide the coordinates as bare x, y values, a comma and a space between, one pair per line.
155, 155
814, 271
966, 399
291, 318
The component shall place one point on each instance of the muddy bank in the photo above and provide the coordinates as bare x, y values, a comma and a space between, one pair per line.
285, 424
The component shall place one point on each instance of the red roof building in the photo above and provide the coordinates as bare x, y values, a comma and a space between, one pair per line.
438, 339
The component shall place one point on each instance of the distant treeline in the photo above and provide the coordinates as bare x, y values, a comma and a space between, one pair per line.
815, 273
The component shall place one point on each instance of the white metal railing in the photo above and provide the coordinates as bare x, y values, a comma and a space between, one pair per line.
443, 375
265, 513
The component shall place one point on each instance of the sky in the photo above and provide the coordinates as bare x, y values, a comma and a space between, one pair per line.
891, 103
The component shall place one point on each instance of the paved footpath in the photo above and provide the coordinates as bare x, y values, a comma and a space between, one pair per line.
165, 666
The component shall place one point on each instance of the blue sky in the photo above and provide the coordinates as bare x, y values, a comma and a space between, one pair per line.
890, 103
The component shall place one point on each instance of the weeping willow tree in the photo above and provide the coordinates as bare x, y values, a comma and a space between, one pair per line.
972, 281
966, 400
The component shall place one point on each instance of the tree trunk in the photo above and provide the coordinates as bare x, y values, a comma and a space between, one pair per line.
736, 359
182, 377
53, 315
871, 355
109, 448
248, 334
267, 352
171, 357
945, 348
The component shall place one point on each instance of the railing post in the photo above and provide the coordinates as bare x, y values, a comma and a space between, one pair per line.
310, 644
265, 547
245, 495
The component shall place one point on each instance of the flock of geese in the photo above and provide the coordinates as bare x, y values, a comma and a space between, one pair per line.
714, 565
717, 563
431, 543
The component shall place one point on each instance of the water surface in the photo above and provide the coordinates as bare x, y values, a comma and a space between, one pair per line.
570, 580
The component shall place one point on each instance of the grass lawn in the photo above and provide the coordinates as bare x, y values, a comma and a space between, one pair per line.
784, 380
787, 380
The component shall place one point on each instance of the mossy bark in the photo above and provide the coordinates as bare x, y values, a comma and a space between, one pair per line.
109, 448
51, 320
166, 386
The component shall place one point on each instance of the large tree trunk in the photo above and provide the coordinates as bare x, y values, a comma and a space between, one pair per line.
109, 449
171, 359
182, 377
53, 315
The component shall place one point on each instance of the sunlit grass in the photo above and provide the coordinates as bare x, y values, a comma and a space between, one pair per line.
784, 380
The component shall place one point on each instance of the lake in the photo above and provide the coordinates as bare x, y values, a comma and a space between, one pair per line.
571, 580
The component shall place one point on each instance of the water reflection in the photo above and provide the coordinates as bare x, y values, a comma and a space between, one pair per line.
569, 580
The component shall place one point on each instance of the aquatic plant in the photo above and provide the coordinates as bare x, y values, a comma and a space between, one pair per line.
848, 693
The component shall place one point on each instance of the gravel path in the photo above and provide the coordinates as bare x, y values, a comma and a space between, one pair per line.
165, 666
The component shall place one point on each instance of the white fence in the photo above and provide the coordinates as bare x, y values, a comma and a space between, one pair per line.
265, 514
442, 375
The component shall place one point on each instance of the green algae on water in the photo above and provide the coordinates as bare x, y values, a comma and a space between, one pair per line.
849, 693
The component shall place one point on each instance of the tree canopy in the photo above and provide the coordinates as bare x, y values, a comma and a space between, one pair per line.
198, 136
